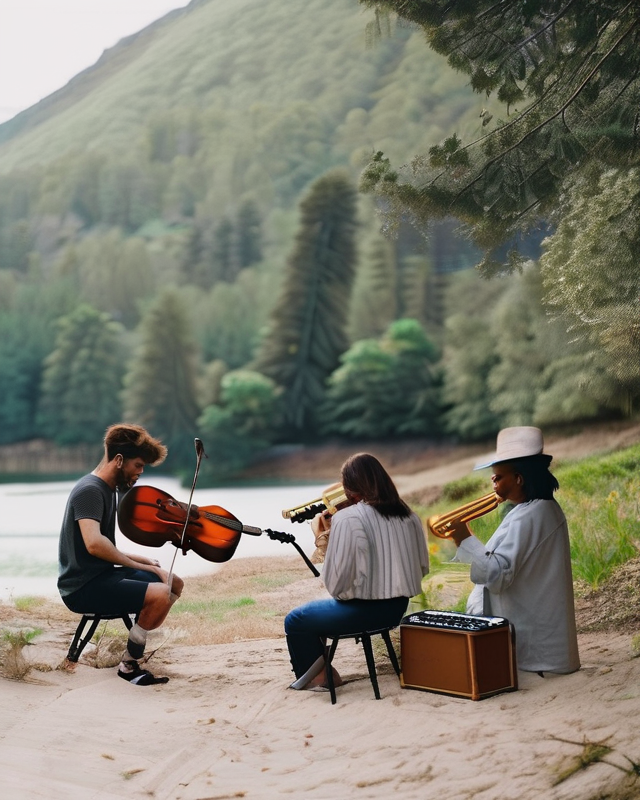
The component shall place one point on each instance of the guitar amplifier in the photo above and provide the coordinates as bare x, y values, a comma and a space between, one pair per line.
458, 654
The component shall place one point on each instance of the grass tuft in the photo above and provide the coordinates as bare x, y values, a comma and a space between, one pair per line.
13, 663
592, 753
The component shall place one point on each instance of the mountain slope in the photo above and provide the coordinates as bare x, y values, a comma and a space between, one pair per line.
235, 57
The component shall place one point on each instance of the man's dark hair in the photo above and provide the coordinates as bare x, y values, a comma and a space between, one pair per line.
365, 476
539, 483
133, 441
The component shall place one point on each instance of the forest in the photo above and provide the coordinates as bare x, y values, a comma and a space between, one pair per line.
188, 241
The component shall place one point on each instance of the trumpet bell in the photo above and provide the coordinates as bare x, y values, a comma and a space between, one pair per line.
442, 525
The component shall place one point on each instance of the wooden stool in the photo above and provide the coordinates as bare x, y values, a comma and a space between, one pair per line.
82, 636
365, 638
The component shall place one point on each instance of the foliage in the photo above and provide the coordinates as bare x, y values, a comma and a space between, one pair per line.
307, 333
27, 332
179, 160
591, 268
82, 378
374, 303
241, 425
160, 383
385, 387
573, 71
13, 664
469, 357
227, 321
507, 362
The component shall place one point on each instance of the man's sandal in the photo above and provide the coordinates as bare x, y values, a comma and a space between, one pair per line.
139, 676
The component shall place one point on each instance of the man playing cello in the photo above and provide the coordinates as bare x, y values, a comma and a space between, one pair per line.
94, 575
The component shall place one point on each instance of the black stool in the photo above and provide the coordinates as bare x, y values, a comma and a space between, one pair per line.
365, 638
83, 636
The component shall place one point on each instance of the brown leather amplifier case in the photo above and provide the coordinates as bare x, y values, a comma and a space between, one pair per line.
458, 654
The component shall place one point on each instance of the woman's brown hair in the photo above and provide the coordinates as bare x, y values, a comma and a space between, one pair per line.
363, 475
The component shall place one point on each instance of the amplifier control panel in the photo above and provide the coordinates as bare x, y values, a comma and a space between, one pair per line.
453, 620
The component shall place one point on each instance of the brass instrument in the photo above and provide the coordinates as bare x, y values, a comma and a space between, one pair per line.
441, 525
332, 500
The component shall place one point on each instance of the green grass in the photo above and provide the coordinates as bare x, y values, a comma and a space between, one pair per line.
28, 603
600, 496
213, 610
19, 638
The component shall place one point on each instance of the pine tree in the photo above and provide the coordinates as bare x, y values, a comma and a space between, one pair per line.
591, 270
568, 75
249, 234
160, 384
307, 333
82, 378
374, 304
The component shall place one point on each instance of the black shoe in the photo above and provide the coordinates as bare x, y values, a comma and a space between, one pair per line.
140, 677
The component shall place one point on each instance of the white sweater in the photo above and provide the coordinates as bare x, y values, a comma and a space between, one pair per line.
526, 566
371, 557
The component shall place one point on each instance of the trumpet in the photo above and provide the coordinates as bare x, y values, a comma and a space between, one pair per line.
332, 500
441, 525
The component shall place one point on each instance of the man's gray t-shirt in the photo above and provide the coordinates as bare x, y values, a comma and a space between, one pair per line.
90, 498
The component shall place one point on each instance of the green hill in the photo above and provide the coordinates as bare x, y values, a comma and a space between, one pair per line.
180, 159
224, 100
239, 66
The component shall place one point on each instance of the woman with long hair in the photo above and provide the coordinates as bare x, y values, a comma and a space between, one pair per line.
376, 559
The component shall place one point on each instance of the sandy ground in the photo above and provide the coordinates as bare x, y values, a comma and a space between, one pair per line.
227, 725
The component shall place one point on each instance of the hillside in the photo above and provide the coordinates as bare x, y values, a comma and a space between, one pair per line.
171, 175
241, 63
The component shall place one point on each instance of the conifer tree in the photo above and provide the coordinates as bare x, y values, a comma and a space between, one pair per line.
160, 384
82, 378
375, 298
249, 234
568, 74
307, 333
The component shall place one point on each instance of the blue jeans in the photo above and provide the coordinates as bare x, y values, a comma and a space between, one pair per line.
308, 626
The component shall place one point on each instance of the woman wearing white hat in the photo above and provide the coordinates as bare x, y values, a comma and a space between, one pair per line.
523, 573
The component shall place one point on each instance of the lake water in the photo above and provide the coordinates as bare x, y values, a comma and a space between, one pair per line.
31, 514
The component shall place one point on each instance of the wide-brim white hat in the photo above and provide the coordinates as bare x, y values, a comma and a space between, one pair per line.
514, 443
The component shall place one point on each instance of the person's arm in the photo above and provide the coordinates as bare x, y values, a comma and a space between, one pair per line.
340, 568
496, 564
143, 559
99, 546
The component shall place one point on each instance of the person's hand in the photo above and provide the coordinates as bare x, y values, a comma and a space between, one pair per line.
161, 573
321, 523
460, 531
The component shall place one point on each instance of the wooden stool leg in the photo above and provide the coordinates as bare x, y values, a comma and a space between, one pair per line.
392, 653
368, 651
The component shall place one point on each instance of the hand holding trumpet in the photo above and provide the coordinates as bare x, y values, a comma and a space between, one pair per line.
453, 524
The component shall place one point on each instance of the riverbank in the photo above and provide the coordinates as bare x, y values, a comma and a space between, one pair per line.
227, 726
321, 462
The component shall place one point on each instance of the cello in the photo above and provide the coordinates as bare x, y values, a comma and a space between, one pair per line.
152, 517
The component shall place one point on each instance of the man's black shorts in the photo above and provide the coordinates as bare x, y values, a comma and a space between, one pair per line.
121, 590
